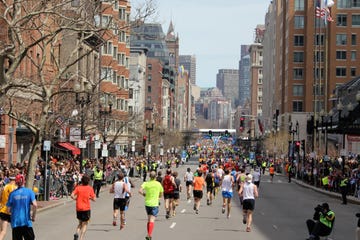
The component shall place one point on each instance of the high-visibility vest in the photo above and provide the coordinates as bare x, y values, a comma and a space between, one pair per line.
263, 164
344, 182
98, 175
325, 221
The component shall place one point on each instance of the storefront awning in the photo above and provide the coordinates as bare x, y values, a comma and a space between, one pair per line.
69, 146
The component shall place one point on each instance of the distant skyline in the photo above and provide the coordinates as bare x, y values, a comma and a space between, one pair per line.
212, 31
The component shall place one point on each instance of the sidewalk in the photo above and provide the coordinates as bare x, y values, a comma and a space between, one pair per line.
350, 199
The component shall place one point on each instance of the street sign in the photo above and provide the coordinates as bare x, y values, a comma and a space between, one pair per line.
252, 155
149, 150
104, 153
82, 144
133, 148
2, 141
104, 146
343, 152
133, 143
97, 144
47, 145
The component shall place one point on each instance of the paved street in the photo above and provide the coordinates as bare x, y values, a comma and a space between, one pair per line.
281, 212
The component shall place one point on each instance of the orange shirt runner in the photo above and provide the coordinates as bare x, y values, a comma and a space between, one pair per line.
199, 182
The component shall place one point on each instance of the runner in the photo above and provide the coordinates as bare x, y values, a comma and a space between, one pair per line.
168, 184
271, 172
152, 191
210, 187
199, 184
249, 192
188, 179
177, 191
5, 217
120, 189
22, 206
83, 194
227, 192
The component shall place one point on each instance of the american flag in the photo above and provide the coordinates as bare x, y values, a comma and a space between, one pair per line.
320, 10
60, 120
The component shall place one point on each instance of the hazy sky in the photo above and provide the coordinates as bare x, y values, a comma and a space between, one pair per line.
212, 30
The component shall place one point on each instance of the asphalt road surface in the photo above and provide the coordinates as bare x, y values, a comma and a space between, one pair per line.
280, 214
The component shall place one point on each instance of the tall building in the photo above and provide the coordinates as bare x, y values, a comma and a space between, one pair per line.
189, 63
312, 56
227, 80
114, 84
244, 78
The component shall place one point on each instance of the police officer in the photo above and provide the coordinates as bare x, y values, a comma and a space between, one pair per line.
98, 178
344, 189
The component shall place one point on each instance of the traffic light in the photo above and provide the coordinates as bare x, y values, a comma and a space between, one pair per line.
144, 141
210, 134
303, 145
297, 146
242, 124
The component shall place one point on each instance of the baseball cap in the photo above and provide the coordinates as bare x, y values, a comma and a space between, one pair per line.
19, 179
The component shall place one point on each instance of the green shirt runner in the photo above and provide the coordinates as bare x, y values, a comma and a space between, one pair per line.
152, 190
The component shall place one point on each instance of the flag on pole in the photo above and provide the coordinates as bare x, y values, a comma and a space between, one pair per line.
320, 9
59, 121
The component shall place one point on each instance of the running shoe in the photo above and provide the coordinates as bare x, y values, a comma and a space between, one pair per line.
223, 210
167, 215
197, 211
194, 207
208, 201
147, 238
76, 236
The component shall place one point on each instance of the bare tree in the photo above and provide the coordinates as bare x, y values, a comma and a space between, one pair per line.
34, 74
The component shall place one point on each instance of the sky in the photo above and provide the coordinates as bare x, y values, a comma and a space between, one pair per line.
212, 30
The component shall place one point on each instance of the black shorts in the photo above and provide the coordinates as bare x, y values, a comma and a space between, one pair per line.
169, 195
188, 183
176, 195
249, 204
119, 203
5, 217
210, 189
23, 233
198, 194
83, 216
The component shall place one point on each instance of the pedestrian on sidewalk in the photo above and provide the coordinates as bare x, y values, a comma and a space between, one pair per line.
98, 178
119, 188
344, 187
22, 206
152, 190
83, 193
5, 217
249, 192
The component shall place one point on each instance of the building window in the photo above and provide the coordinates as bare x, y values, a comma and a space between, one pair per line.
299, 5
149, 77
297, 106
341, 20
341, 71
298, 57
298, 74
355, 3
318, 90
299, 22
148, 99
353, 39
353, 55
149, 66
149, 89
340, 39
298, 40
75, 3
319, 56
131, 93
122, 13
355, 20
341, 55
343, 3
298, 90
319, 39
108, 48
353, 71
319, 73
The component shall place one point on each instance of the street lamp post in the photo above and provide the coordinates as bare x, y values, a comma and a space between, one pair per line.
104, 113
292, 133
149, 129
162, 133
82, 102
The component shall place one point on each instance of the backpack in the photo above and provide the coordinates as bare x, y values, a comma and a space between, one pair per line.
167, 184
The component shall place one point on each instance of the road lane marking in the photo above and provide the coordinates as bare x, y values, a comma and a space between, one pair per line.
173, 225
184, 210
